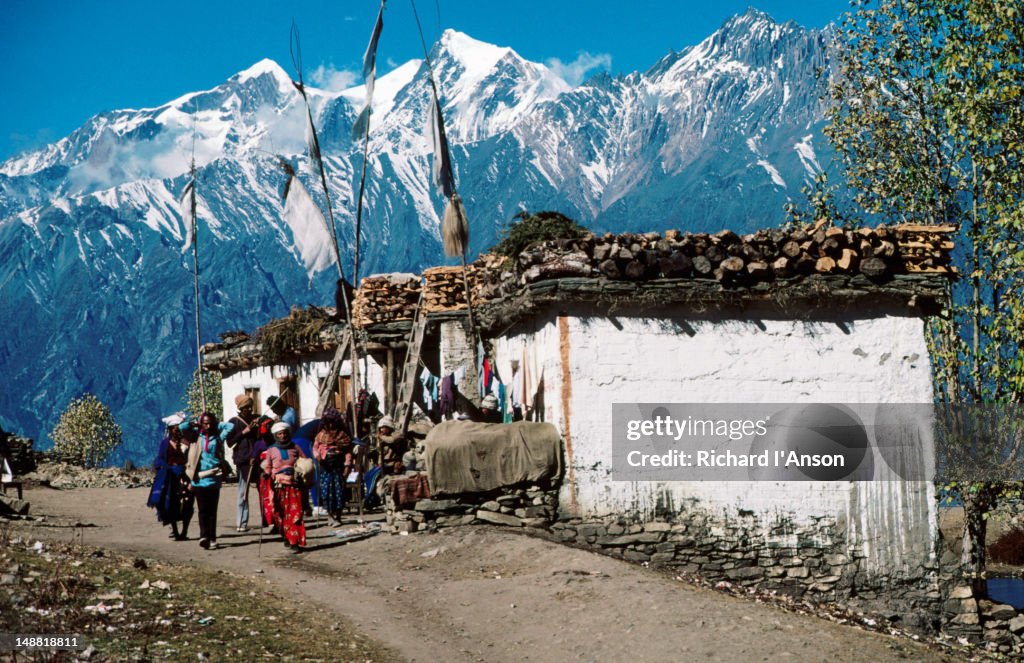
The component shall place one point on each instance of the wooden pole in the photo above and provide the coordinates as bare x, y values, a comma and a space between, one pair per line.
195, 262
454, 196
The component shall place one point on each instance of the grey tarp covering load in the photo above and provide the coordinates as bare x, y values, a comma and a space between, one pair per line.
470, 457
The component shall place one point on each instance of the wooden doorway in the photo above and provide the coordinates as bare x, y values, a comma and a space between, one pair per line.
257, 404
288, 390
342, 396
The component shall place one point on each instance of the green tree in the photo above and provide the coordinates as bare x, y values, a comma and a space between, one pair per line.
86, 432
528, 228
211, 384
926, 110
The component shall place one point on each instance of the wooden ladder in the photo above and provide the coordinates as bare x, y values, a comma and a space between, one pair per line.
410, 369
331, 382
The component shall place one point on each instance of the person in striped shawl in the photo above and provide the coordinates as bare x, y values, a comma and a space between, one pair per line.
332, 449
286, 497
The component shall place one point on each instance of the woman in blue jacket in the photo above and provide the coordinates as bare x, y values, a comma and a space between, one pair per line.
206, 469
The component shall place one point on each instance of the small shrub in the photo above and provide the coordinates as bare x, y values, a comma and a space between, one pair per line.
214, 396
537, 227
1009, 549
86, 432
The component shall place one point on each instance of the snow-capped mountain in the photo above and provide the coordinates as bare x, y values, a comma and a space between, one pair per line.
92, 278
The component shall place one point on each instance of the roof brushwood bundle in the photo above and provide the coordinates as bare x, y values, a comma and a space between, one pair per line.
301, 328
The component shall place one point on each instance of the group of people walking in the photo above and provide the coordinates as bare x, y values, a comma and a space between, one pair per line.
191, 467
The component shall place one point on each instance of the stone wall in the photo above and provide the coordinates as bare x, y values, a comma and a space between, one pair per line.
967, 612
530, 506
458, 350
1002, 626
812, 561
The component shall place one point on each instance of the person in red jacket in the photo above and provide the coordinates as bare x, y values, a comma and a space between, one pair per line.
278, 462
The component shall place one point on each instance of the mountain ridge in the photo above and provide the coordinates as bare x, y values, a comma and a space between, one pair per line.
90, 263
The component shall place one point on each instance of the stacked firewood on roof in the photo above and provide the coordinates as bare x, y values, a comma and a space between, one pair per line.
445, 289
386, 298
925, 249
731, 259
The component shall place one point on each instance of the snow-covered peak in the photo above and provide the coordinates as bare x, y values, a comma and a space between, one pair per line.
124, 145
386, 88
747, 41
265, 67
486, 89
751, 17
753, 25
476, 57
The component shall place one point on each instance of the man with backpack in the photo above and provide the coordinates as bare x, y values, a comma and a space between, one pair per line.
242, 440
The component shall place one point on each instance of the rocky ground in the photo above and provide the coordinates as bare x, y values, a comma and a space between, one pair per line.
125, 608
64, 475
478, 593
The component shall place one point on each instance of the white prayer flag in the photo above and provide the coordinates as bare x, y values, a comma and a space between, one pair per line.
186, 203
309, 228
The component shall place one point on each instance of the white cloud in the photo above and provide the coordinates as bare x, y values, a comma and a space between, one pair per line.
574, 72
328, 78
286, 129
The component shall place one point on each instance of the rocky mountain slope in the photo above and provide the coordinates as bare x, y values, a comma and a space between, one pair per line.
99, 297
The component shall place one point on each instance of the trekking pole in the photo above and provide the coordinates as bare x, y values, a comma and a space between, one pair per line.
359, 485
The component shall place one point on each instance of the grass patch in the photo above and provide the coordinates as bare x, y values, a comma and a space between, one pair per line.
140, 610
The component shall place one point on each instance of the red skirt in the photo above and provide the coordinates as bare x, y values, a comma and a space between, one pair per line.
267, 499
287, 514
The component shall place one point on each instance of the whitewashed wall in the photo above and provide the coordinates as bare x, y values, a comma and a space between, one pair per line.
308, 374
654, 360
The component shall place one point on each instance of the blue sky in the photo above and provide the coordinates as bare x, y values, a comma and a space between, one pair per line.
67, 60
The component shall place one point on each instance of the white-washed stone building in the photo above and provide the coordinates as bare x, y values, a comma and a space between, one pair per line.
840, 318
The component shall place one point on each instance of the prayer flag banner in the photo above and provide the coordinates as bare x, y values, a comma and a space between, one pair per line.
308, 226
369, 75
185, 202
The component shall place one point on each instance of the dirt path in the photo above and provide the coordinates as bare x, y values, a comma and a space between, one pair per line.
483, 594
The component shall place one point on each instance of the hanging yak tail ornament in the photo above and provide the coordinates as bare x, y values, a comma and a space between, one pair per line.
455, 228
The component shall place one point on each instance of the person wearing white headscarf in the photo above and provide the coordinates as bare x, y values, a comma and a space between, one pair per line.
286, 499
170, 494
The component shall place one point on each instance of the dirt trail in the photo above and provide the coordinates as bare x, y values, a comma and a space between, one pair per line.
481, 593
